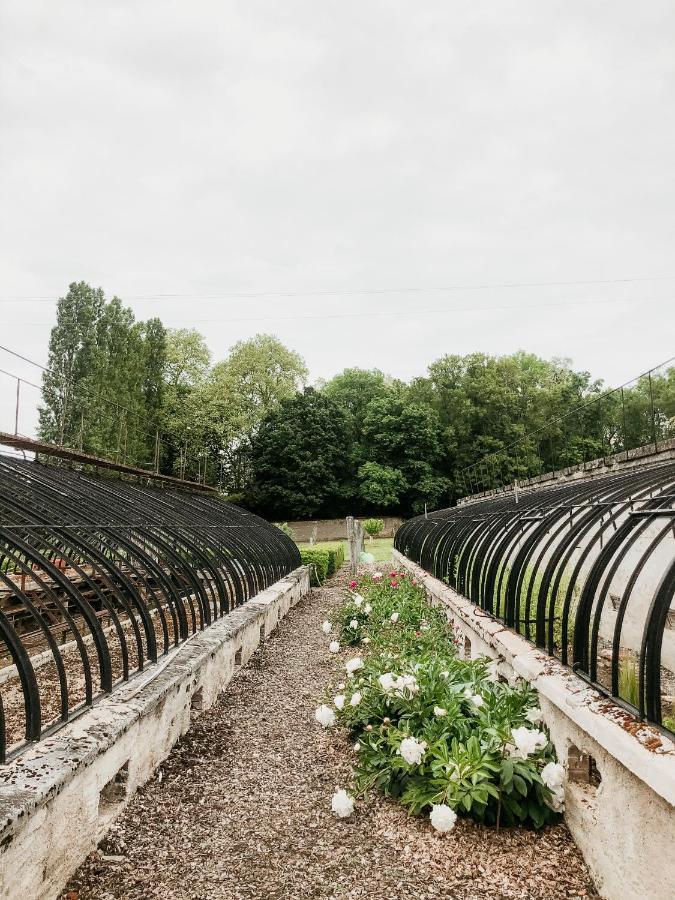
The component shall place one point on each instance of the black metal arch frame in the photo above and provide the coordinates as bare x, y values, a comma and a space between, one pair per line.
544, 562
110, 575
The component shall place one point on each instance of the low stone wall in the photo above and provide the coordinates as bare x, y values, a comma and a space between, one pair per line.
620, 795
336, 529
60, 797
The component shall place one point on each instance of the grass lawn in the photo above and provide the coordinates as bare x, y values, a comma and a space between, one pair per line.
380, 548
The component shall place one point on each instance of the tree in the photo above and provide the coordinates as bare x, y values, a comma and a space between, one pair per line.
373, 527
102, 391
258, 374
381, 487
299, 459
256, 377
68, 385
187, 358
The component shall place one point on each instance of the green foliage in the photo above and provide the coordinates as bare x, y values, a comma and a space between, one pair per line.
319, 560
381, 486
300, 457
373, 527
103, 392
286, 528
336, 558
413, 685
629, 684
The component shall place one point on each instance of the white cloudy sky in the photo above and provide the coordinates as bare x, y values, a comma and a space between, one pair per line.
210, 147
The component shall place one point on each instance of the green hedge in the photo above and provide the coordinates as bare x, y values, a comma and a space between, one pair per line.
319, 560
336, 557
324, 561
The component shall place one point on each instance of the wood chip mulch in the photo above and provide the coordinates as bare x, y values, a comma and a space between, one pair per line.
241, 808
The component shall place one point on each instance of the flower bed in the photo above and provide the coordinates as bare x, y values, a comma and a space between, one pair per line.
440, 734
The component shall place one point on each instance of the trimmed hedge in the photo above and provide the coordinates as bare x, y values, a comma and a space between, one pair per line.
319, 561
324, 561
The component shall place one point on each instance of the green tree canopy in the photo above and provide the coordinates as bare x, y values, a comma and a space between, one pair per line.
301, 457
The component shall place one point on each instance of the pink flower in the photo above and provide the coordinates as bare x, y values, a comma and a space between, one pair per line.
353, 584
401, 575
393, 574
414, 581
394, 583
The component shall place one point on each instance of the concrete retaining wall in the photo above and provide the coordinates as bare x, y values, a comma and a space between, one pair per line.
624, 825
59, 798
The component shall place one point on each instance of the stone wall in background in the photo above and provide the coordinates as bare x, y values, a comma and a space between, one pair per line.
336, 529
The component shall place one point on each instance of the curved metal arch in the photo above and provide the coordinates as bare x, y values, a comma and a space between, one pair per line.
544, 562
117, 566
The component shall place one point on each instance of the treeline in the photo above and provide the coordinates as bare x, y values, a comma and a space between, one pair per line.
361, 443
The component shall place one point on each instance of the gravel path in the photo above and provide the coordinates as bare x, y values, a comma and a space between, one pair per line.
241, 808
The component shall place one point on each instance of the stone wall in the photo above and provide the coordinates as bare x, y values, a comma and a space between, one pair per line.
336, 529
620, 796
58, 799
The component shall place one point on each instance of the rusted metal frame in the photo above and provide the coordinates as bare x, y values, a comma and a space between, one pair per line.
29, 685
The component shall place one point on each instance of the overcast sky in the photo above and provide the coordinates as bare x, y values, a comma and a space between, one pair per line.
203, 148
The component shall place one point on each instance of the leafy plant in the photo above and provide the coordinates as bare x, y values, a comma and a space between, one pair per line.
433, 729
373, 527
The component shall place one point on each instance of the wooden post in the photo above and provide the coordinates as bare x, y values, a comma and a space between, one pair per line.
355, 539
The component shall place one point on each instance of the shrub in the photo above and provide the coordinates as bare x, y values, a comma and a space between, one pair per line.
433, 730
286, 528
373, 527
336, 558
319, 561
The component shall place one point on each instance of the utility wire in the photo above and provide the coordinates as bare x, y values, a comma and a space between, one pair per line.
156, 297
410, 313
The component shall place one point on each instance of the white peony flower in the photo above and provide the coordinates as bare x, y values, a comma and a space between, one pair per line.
325, 716
366, 640
535, 716
412, 750
342, 804
394, 618
406, 684
439, 712
527, 741
477, 700
358, 600
387, 681
367, 609
357, 747
354, 664
356, 699
354, 624
553, 775
326, 627
443, 818
334, 647
339, 701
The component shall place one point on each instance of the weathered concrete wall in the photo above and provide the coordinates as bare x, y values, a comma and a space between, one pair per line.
336, 529
59, 798
625, 825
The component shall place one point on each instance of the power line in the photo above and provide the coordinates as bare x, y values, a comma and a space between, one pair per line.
410, 313
338, 292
